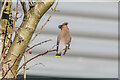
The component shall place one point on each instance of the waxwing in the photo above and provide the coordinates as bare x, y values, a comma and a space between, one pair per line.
63, 39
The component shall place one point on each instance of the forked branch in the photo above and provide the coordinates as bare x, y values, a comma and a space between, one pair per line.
24, 6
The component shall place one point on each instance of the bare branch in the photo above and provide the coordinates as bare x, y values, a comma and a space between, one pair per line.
6, 62
30, 67
38, 44
10, 69
30, 4
19, 16
34, 65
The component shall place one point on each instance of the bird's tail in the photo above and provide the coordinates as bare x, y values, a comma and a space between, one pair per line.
58, 55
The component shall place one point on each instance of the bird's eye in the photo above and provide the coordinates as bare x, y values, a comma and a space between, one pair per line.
59, 26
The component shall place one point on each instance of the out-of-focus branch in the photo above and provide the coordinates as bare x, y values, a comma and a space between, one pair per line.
18, 17
10, 69
30, 67
12, 30
3, 9
6, 62
30, 4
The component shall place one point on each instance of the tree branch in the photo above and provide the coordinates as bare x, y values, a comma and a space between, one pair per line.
30, 67
10, 69
38, 44
30, 4
24, 6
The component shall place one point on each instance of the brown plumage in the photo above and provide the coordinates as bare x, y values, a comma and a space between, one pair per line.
63, 40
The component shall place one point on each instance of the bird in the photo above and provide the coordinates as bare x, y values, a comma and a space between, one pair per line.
63, 39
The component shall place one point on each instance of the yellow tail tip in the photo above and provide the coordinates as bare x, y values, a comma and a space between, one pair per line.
58, 56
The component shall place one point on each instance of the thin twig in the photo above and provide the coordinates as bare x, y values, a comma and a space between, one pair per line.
18, 17
3, 9
34, 58
10, 67
30, 67
54, 46
6, 62
30, 4
38, 44
33, 66
45, 22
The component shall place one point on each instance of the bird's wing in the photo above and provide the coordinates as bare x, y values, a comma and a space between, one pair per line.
67, 37
61, 42
58, 39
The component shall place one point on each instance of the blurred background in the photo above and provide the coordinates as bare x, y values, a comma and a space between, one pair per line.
94, 46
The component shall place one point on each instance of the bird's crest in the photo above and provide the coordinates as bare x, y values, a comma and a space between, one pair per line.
60, 26
65, 23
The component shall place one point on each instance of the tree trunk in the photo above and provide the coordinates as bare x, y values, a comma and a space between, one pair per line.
23, 36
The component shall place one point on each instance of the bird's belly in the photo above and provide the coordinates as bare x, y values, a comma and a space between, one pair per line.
61, 46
